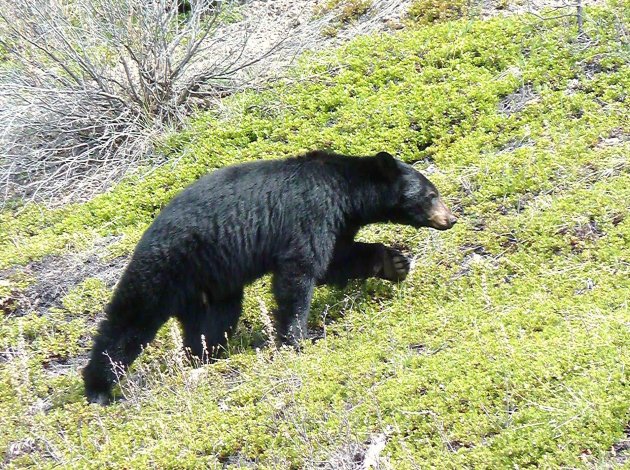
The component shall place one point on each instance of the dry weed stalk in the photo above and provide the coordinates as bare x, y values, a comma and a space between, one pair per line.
268, 327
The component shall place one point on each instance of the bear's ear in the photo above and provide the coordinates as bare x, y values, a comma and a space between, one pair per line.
387, 165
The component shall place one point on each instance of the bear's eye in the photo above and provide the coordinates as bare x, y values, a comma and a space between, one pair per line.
432, 196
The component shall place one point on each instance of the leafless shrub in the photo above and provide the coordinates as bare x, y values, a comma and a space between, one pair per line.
556, 9
87, 85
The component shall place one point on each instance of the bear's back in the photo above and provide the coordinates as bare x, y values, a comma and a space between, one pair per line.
240, 217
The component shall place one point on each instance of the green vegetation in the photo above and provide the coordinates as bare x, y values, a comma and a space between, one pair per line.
433, 11
348, 11
508, 345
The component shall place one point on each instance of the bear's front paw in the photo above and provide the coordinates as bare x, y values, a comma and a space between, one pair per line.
99, 398
395, 265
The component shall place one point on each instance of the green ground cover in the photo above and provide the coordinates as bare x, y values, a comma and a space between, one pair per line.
507, 346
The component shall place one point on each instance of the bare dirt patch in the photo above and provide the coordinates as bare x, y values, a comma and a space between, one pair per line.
54, 276
617, 457
359, 455
582, 234
490, 8
516, 101
515, 144
616, 137
474, 255
20, 448
291, 27
620, 452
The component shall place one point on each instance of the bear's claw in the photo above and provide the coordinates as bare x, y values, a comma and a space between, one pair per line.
101, 398
395, 265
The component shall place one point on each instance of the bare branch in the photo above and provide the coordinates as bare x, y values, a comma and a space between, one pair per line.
94, 83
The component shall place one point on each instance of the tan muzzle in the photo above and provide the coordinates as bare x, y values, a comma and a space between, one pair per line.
442, 218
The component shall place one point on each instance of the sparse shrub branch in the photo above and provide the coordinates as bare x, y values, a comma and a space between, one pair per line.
88, 81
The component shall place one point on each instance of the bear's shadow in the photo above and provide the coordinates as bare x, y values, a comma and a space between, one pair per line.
329, 305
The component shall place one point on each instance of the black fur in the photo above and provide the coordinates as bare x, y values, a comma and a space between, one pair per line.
296, 218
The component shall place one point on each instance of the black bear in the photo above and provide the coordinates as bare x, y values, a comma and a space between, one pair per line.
295, 218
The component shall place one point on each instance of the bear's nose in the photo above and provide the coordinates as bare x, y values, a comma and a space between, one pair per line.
452, 220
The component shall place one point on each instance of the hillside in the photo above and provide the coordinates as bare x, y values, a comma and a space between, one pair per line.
508, 346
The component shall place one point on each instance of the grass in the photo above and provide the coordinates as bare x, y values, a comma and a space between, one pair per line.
506, 347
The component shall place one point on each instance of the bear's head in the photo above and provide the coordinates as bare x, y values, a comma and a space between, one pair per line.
417, 200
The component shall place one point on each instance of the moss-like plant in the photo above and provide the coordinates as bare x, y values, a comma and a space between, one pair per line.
432, 11
506, 347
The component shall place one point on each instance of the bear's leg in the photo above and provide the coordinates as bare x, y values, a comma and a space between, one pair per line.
293, 290
215, 321
117, 344
362, 260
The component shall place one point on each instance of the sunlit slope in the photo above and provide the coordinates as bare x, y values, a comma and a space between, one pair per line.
507, 345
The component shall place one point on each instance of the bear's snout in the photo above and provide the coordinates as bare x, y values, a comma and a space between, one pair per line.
442, 218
